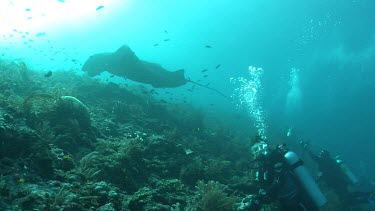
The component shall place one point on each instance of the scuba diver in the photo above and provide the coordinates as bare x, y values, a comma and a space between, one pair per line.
331, 173
338, 176
280, 175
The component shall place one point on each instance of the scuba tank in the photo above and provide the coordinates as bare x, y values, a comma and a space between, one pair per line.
305, 179
346, 170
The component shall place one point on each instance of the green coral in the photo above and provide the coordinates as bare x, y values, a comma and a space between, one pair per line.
211, 196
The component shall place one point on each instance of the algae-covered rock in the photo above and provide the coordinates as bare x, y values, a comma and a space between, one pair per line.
70, 108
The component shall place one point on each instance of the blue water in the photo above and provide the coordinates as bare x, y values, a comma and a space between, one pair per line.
317, 59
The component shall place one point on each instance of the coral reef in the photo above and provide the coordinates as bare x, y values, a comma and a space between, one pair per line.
68, 142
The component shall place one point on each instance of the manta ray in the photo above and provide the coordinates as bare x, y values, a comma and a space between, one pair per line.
125, 63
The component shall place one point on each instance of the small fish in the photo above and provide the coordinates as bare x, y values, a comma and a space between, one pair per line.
18, 179
205, 76
99, 8
67, 155
165, 31
27, 9
74, 60
205, 70
166, 40
156, 44
217, 66
48, 74
40, 34
111, 76
208, 46
190, 90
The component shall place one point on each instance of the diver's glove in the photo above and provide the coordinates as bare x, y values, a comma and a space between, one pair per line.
305, 145
249, 203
